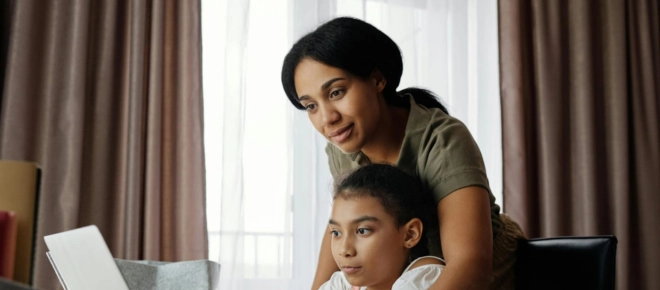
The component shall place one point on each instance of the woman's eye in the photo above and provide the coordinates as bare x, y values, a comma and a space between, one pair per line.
336, 93
310, 107
363, 231
334, 233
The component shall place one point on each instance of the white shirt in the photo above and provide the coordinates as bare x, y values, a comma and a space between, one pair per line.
420, 278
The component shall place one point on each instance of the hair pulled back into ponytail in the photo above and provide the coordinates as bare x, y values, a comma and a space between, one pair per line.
359, 48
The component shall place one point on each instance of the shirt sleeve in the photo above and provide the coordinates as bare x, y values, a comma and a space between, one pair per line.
332, 159
420, 278
451, 159
337, 282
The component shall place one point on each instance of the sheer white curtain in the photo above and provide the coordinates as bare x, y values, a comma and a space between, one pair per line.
268, 182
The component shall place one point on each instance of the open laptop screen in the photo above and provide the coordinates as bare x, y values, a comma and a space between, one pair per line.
83, 261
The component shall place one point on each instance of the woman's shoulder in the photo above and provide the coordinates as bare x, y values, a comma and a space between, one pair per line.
434, 123
441, 140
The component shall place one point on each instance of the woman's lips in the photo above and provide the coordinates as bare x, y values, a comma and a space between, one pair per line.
341, 135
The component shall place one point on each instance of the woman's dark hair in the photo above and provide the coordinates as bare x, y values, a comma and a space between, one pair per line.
400, 194
359, 48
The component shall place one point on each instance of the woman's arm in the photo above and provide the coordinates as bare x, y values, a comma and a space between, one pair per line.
327, 265
467, 240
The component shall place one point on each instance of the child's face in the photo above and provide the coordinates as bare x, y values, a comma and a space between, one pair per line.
366, 243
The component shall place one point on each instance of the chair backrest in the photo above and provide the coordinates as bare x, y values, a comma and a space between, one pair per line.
566, 263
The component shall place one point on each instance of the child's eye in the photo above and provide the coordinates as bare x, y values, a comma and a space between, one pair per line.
363, 231
335, 233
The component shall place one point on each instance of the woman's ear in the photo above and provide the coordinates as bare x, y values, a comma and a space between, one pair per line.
378, 79
413, 232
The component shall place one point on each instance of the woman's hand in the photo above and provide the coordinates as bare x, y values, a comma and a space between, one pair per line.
467, 240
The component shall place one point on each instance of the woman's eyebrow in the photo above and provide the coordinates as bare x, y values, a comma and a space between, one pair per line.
328, 83
323, 87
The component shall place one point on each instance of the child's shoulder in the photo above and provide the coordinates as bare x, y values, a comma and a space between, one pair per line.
420, 274
337, 282
424, 261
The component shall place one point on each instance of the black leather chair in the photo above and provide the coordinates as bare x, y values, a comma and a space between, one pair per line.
566, 263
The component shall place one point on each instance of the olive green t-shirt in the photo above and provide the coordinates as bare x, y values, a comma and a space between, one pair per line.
439, 150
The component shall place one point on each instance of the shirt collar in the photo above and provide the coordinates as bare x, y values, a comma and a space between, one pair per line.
416, 120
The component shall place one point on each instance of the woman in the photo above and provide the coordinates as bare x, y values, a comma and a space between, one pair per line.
345, 75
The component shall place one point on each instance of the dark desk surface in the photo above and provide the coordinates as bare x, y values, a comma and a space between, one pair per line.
11, 285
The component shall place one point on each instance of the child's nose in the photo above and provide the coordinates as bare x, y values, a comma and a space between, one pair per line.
347, 253
347, 249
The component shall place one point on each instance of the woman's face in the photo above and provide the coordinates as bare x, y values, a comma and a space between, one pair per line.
366, 243
344, 108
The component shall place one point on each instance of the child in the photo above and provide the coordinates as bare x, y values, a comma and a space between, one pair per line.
378, 235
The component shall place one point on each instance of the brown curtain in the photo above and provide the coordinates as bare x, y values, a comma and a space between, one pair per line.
5, 7
580, 85
106, 97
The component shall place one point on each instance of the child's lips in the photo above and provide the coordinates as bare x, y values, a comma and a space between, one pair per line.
350, 269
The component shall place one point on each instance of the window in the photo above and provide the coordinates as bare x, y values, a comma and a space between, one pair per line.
268, 183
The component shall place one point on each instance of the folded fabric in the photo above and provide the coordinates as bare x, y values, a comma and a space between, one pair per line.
147, 275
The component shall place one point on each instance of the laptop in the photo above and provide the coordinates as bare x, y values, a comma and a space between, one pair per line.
82, 260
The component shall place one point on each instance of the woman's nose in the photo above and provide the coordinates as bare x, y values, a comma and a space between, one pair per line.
329, 115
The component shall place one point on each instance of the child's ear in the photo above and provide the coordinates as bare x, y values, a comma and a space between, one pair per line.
378, 79
413, 232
